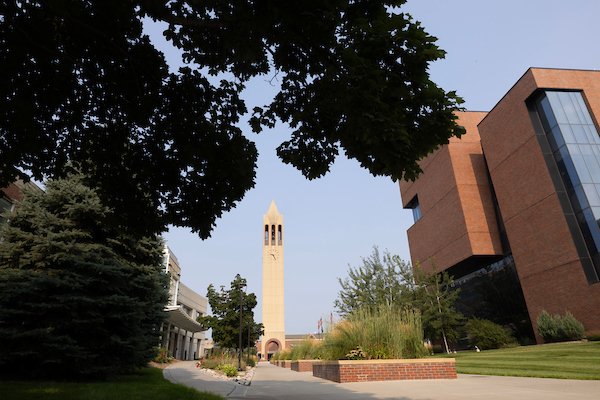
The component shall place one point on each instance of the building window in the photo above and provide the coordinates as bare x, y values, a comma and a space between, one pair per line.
416, 209
575, 145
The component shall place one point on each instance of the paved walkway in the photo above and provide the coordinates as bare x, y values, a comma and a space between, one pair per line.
271, 382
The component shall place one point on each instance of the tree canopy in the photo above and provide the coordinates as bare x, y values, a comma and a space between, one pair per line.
376, 283
78, 297
82, 84
225, 321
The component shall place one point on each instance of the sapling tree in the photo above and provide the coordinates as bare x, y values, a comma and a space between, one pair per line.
436, 299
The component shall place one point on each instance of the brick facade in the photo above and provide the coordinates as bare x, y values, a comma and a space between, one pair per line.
385, 370
551, 274
14, 191
458, 219
457, 223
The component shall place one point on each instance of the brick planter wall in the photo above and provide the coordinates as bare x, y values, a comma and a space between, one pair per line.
344, 371
286, 363
303, 365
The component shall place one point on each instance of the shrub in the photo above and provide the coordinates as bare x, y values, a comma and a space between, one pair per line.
570, 328
356, 354
547, 326
556, 328
487, 335
211, 363
228, 369
437, 349
593, 336
249, 361
218, 363
163, 356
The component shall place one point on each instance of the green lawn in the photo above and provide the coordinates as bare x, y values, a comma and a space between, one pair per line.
566, 361
147, 383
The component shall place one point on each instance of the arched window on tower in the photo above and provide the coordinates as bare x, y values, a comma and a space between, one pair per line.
273, 235
279, 235
266, 235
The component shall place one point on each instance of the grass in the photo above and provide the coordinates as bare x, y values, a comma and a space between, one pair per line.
146, 383
564, 361
386, 333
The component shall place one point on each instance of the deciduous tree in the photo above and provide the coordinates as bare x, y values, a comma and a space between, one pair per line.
394, 283
82, 84
376, 283
225, 321
436, 299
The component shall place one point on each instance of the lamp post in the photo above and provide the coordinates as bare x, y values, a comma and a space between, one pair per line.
249, 325
240, 285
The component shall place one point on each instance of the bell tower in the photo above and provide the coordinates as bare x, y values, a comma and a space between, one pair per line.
272, 289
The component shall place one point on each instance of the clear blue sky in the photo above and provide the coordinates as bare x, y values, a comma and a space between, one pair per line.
333, 222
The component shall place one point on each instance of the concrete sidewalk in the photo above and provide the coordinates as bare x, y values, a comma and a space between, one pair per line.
272, 382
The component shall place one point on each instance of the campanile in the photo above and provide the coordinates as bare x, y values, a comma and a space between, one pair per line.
272, 289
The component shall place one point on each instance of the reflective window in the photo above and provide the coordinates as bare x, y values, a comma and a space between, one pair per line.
575, 144
416, 210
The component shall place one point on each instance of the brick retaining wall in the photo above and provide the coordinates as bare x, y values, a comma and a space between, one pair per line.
303, 365
344, 371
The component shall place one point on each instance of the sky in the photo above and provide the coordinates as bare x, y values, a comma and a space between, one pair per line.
333, 222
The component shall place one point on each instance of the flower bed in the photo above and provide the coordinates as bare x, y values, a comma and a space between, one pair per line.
344, 371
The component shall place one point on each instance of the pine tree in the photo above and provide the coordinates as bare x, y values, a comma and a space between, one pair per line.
78, 297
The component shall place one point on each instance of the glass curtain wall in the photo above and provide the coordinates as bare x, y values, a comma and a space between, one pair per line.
575, 144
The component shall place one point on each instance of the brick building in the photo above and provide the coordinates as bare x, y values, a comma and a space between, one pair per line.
12, 193
511, 208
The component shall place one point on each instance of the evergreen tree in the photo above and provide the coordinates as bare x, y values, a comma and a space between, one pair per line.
225, 321
78, 297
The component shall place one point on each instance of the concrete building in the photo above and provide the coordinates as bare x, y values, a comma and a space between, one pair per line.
273, 302
511, 208
183, 336
273, 299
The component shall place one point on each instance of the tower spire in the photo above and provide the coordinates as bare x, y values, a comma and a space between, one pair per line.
273, 210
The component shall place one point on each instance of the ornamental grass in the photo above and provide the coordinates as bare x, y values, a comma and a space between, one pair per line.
387, 333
